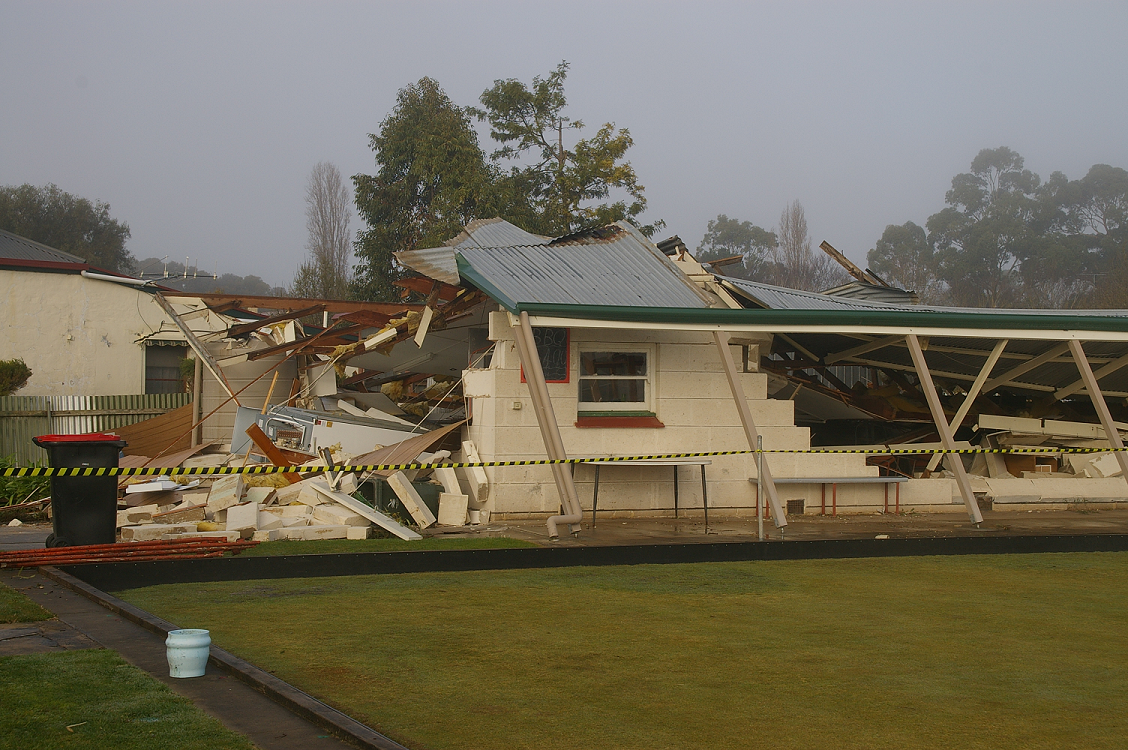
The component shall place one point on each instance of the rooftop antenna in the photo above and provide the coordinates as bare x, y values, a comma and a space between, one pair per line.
142, 274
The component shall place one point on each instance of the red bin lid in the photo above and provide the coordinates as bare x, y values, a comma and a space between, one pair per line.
88, 437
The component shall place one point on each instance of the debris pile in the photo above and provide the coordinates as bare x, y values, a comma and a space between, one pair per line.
1053, 473
320, 505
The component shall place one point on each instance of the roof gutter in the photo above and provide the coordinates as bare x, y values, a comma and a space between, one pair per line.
869, 322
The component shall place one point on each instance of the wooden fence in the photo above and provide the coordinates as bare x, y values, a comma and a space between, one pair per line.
25, 417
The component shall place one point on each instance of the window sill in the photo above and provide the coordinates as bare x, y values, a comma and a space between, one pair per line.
611, 419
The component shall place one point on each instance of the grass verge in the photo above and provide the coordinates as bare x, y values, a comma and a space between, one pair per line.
15, 607
93, 699
937, 652
338, 546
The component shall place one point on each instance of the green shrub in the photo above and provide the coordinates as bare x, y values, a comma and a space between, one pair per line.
14, 374
15, 490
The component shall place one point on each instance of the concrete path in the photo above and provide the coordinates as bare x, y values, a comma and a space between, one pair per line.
41, 637
84, 624
26, 536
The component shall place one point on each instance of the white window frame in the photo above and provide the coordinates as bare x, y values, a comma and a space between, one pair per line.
646, 406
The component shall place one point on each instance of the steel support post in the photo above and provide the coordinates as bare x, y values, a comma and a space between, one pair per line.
550, 430
1099, 404
972, 394
722, 338
955, 462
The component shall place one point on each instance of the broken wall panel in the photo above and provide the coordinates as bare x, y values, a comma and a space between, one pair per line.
219, 426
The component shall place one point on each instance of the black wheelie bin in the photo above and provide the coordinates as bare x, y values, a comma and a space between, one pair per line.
83, 509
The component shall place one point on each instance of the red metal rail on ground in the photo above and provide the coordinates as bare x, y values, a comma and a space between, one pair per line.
179, 549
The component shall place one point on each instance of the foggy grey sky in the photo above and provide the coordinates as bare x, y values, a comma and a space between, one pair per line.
199, 122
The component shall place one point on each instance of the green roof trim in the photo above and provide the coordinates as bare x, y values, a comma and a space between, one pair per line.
832, 319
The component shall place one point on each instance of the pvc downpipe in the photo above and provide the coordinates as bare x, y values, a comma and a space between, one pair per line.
116, 279
546, 420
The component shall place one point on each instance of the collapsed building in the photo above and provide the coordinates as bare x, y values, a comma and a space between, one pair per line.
603, 344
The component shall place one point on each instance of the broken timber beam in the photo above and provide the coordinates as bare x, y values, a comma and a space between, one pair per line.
239, 330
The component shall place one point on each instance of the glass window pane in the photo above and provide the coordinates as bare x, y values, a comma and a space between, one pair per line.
613, 363
612, 391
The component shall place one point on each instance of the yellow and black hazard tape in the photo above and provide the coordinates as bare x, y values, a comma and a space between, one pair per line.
113, 471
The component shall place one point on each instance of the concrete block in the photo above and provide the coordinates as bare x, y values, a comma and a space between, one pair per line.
1106, 465
347, 484
194, 496
476, 479
267, 535
154, 531
325, 532
133, 516
309, 494
229, 536
336, 515
288, 494
260, 495
449, 480
296, 533
296, 511
295, 522
452, 509
243, 517
268, 521
225, 492
411, 500
181, 514
159, 499
357, 532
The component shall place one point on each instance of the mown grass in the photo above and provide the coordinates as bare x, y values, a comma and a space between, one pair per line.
337, 546
93, 699
1020, 651
15, 607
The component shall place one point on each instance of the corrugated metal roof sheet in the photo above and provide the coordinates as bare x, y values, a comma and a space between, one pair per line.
874, 292
781, 298
21, 248
614, 265
439, 262
435, 263
494, 233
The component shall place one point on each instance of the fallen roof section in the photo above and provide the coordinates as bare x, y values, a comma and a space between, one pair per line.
615, 265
